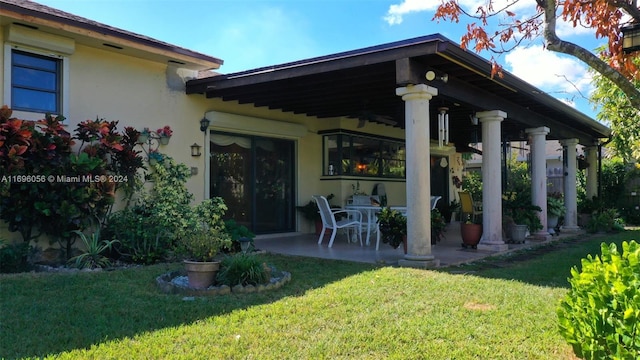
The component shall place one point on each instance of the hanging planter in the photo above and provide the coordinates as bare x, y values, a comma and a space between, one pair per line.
143, 138
164, 140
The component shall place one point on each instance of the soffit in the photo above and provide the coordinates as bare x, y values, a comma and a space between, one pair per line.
362, 83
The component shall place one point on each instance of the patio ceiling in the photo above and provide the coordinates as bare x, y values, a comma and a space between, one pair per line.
361, 84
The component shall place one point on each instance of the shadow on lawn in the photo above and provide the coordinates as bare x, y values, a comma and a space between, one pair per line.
46, 314
546, 265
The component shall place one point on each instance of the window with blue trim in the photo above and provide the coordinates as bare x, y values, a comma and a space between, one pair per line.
35, 82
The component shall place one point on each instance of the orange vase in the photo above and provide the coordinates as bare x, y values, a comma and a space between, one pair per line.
471, 234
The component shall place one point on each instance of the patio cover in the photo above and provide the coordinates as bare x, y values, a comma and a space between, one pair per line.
361, 84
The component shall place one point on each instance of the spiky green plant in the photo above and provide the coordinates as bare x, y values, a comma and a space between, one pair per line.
93, 256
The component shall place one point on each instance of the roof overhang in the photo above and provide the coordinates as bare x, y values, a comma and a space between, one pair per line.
362, 83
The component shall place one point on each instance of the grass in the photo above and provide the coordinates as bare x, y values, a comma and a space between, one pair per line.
495, 309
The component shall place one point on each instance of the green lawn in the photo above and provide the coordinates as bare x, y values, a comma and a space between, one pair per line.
496, 309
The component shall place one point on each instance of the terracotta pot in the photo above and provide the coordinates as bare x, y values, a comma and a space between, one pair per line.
201, 274
471, 234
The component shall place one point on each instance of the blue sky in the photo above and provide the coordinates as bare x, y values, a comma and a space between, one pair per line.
248, 34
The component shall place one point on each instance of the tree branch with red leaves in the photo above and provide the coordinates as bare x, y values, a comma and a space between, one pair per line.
605, 17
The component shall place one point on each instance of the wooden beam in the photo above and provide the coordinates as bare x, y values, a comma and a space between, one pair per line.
408, 72
480, 99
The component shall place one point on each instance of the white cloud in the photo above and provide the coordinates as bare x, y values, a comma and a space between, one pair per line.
395, 13
565, 29
561, 76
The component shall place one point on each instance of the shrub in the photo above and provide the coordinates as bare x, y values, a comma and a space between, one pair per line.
243, 269
64, 188
141, 240
392, 226
237, 231
606, 220
472, 182
599, 316
13, 257
203, 243
148, 230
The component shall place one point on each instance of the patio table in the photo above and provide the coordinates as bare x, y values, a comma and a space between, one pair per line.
368, 212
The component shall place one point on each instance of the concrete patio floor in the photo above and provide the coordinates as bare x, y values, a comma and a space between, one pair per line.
447, 252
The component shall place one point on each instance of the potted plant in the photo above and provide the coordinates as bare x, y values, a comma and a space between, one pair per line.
202, 242
310, 212
393, 227
525, 218
201, 245
164, 134
470, 232
144, 135
555, 209
155, 157
524, 215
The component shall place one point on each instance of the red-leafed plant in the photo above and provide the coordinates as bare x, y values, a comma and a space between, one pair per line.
50, 187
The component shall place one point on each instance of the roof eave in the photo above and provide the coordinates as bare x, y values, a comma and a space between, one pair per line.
513, 82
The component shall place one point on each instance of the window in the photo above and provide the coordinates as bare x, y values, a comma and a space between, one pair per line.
35, 82
363, 155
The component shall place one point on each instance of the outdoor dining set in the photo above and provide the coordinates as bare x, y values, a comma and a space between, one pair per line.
357, 217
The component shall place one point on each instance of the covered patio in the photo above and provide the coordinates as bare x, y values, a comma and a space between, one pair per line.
447, 252
408, 85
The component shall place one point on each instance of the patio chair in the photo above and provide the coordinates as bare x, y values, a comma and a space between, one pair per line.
434, 201
468, 206
349, 220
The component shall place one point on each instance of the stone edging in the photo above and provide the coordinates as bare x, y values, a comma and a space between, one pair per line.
166, 286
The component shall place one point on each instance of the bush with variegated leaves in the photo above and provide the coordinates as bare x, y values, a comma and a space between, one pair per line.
600, 316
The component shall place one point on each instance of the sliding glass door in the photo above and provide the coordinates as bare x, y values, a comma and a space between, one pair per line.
255, 177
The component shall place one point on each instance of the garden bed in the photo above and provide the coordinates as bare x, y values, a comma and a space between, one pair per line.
175, 282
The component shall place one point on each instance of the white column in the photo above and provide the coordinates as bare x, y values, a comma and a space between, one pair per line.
418, 172
491, 181
538, 140
591, 153
570, 184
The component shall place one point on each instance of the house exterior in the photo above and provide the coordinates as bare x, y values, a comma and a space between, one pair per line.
397, 114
